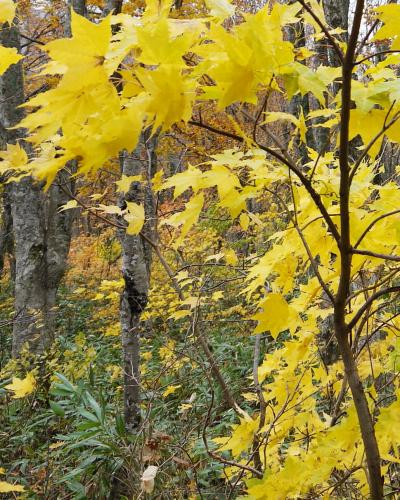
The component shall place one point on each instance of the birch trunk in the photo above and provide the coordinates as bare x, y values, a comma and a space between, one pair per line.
136, 264
41, 235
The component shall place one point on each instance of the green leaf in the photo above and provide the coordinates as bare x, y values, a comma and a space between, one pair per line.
57, 409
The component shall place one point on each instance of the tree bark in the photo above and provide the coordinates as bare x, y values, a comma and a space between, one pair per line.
114, 6
136, 266
337, 16
79, 6
6, 232
41, 234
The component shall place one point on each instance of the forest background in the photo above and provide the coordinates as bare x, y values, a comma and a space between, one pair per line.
199, 249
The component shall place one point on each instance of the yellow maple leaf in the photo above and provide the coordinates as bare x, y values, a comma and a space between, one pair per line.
113, 330
56, 445
244, 221
110, 209
125, 182
134, 217
8, 487
190, 178
217, 295
14, 158
231, 257
277, 315
22, 387
7, 11
188, 217
87, 48
241, 438
156, 181
160, 45
390, 16
168, 94
221, 9
170, 390
8, 56
67, 206
182, 313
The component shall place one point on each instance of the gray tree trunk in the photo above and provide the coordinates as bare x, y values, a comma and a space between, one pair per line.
136, 266
41, 235
390, 152
11, 96
113, 6
6, 232
79, 6
337, 16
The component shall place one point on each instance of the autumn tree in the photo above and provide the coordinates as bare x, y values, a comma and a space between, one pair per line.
336, 251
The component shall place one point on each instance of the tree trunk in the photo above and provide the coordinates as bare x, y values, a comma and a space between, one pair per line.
337, 16
41, 234
113, 6
6, 232
365, 418
136, 263
79, 6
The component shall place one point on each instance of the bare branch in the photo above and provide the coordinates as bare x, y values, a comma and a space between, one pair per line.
395, 258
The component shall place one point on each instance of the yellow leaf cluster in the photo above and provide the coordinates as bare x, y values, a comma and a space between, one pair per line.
22, 387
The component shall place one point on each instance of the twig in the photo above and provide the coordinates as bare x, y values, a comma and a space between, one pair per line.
369, 301
394, 258
291, 165
213, 364
323, 28
212, 454
371, 225
389, 51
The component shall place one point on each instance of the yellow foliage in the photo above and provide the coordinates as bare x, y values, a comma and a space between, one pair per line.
135, 218
8, 56
7, 11
8, 487
170, 390
22, 387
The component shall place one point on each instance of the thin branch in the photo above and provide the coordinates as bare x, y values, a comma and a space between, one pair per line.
389, 51
371, 299
336, 411
376, 285
323, 28
213, 364
371, 225
364, 415
291, 165
367, 35
263, 404
212, 454
314, 265
33, 40
394, 258
90, 209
